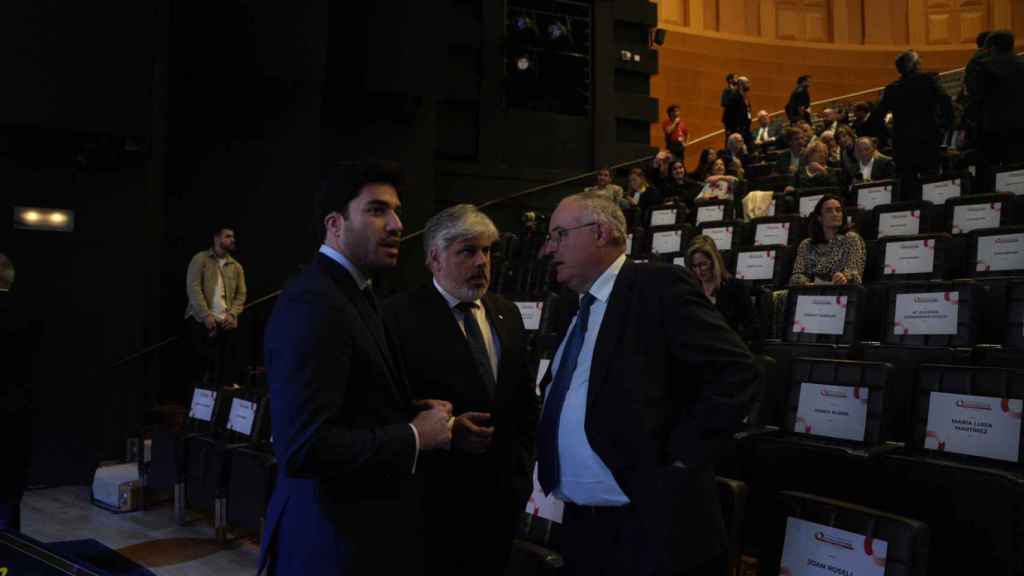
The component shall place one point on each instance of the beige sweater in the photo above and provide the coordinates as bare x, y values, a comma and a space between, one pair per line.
201, 281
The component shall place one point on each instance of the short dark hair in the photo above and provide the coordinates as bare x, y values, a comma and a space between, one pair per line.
980, 38
1000, 40
730, 77
344, 181
803, 79
814, 219
671, 108
218, 230
862, 106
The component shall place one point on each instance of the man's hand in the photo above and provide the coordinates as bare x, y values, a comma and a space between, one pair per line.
211, 323
230, 322
432, 424
431, 403
839, 278
816, 168
469, 433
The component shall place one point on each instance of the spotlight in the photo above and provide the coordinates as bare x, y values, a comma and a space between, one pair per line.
57, 218
49, 219
31, 216
523, 63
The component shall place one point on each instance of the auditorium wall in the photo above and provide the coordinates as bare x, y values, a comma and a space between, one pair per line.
845, 45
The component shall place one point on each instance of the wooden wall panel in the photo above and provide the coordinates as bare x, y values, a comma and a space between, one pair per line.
693, 65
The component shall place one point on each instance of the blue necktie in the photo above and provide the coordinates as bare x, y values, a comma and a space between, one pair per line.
548, 472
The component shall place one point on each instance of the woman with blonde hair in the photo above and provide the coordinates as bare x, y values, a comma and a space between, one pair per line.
728, 295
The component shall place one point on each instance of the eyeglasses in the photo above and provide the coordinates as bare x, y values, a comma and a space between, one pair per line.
557, 235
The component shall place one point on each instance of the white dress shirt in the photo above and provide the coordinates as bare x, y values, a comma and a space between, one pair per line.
492, 344
865, 169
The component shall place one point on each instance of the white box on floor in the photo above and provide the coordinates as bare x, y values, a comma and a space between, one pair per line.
117, 488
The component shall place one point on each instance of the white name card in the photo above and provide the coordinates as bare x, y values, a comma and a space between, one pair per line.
663, 217
531, 313
1011, 181
910, 257
938, 192
868, 198
202, 404
905, 223
629, 243
242, 416
969, 217
833, 411
974, 425
546, 507
667, 241
807, 204
928, 313
755, 265
1000, 252
722, 235
771, 233
812, 549
679, 261
820, 314
710, 213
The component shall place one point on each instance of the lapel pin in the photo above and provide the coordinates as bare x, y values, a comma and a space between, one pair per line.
500, 317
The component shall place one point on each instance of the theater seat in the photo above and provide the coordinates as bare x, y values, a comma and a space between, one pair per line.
907, 540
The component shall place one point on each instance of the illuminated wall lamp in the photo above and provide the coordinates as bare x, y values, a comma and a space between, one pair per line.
49, 219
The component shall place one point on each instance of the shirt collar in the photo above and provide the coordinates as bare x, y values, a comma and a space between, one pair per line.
212, 254
361, 280
870, 162
602, 287
452, 301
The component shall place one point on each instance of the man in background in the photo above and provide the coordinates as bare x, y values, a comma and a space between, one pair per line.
605, 186
215, 284
996, 91
799, 105
465, 345
18, 343
676, 134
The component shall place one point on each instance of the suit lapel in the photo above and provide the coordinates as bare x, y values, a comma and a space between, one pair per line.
611, 331
441, 315
502, 331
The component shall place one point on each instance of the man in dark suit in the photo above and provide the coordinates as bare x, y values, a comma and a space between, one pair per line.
347, 432
18, 342
996, 89
647, 387
921, 112
789, 161
766, 132
799, 105
871, 165
466, 346
736, 115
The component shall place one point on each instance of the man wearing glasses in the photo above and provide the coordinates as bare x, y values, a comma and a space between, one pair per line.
647, 386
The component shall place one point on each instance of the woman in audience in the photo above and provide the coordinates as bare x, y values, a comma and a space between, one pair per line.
729, 295
641, 194
707, 160
815, 173
719, 184
833, 254
677, 186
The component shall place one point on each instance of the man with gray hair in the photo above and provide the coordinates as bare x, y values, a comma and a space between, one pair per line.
645, 391
462, 344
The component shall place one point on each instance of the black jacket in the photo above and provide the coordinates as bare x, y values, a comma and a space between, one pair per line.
19, 340
921, 112
799, 98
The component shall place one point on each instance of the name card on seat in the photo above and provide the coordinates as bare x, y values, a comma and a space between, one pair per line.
820, 314
663, 217
1010, 181
910, 257
722, 235
771, 233
242, 415
202, 404
679, 261
755, 265
906, 223
929, 313
833, 411
807, 204
974, 425
531, 312
868, 198
938, 192
813, 549
999, 253
667, 241
546, 507
969, 217
710, 213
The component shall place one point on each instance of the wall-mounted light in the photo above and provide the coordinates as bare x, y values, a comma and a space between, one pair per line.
49, 219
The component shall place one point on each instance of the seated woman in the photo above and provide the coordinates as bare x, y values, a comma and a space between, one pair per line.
677, 186
833, 254
719, 184
707, 159
641, 194
814, 172
729, 295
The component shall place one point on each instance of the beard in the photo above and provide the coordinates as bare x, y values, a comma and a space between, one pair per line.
468, 293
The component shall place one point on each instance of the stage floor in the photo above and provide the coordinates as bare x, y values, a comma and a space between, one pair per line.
150, 538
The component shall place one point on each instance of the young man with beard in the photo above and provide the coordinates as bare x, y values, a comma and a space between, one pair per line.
347, 431
464, 345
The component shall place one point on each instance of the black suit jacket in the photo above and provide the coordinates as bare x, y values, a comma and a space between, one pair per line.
492, 488
735, 116
346, 499
996, 88
882, 169
921, 112
669, 381
799, 98
783, 161
19, 340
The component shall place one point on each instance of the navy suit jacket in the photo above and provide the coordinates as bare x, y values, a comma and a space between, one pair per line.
669, 381
346, 500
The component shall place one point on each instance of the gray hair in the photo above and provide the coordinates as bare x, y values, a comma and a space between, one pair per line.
599, 208
907, 62
457, 223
